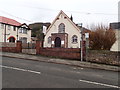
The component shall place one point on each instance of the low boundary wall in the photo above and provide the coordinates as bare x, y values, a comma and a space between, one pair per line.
67, 53
17, 48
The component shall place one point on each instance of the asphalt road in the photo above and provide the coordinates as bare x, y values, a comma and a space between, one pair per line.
20, 73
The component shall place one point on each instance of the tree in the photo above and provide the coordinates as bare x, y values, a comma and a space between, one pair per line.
40, 35
37, 30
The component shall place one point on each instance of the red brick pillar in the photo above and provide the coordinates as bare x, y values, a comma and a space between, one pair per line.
38, 46
19, 46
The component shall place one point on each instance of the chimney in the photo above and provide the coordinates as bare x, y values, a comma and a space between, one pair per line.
71, 18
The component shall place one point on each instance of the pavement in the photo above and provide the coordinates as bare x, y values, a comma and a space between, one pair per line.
61, 61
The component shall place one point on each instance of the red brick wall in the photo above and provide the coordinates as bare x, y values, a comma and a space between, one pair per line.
67, 53
16, 49
38, 46
8, 49
19, 46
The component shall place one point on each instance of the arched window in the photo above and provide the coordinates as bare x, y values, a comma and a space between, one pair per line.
23, 39
61, 28
49, 40
74, 39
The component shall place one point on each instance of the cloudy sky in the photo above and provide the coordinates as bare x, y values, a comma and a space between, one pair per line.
83, 11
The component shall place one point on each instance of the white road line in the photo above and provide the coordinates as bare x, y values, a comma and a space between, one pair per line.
20, 69
113, 86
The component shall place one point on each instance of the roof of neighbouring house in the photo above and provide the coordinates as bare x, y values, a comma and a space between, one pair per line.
115, 25
85, 30
9, 21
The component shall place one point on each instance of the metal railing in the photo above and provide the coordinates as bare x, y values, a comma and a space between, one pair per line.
28, 45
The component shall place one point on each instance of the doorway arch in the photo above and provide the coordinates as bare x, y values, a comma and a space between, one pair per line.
57, 42
11, 39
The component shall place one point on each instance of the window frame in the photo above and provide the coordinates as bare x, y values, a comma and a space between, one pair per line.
61, 28
14, 28
49, 40
24, 31
9, 27
20, 30
23, 39
74, 39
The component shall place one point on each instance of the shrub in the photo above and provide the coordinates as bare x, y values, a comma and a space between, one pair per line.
102, 38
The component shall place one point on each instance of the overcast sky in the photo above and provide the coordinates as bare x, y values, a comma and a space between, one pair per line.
83, 11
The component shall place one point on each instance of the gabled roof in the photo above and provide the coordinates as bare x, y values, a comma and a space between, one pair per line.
25, 25
9, 21
61, 12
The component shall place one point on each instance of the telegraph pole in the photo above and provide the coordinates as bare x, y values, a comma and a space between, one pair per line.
81, 44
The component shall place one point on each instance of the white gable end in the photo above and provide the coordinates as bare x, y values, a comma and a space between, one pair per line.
24, 26
70, 30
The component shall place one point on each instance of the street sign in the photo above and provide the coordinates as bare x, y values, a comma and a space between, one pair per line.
86, 35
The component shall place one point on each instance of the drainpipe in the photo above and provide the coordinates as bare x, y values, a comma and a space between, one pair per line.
5, 34
17, 32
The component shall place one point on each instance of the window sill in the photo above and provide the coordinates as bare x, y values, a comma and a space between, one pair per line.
74, 42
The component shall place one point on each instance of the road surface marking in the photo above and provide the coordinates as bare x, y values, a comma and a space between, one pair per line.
77, 68
20, 69
99, 83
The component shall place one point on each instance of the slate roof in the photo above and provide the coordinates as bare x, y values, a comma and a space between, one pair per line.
9, 21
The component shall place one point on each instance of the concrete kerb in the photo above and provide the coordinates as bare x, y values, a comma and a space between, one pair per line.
62, 61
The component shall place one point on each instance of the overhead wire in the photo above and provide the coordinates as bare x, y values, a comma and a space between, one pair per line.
87, 13
15, 16
47, 9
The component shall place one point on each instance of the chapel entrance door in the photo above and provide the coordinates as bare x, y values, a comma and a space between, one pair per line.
57, 42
